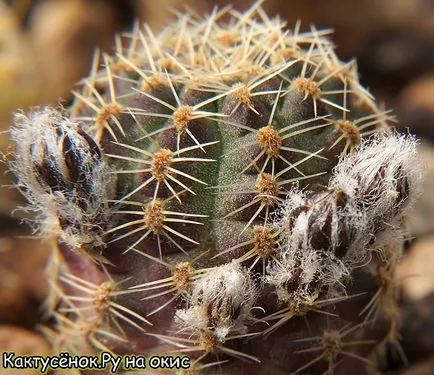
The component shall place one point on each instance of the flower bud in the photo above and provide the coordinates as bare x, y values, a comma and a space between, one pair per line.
63, 175
384, 177
326, 232
316, 234
221, 301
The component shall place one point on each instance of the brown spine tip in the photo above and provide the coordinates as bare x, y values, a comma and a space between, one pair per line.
182, 276
106, 112
242, 94
268, 188
154, 216
270, 140
307, 87
161, 161
350, 131
264, 243
181, 117
208, 341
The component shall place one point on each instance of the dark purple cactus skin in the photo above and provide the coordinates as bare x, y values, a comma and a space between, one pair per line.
223, 201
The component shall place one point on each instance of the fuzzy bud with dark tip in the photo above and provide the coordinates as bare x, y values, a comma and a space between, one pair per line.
221, 302
63, 175
326, 232
384, 177
315, 236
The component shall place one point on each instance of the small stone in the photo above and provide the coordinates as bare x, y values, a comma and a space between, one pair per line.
21, 342
416, 103
422, 368
416, 271
421, 219
23, 285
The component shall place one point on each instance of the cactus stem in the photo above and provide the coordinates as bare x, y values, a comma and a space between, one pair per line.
271, 99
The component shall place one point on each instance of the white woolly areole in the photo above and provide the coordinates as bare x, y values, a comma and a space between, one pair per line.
36, 136
221, 301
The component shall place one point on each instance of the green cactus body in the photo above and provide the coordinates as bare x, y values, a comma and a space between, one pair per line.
204, 131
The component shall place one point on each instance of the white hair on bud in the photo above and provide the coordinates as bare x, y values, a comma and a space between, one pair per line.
193, 317
381, 169
44, 139
298, 277
300, 271
29, 132
221, 301
326, 233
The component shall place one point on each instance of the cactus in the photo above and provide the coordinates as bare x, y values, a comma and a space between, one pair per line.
226, 189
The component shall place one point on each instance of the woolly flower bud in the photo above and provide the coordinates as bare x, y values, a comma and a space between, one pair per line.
326, 232
323, 220
300, 277
221, 301
318, 230
63, 175
315, 237
383, 175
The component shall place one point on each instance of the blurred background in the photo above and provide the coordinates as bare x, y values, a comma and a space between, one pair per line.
47, 45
